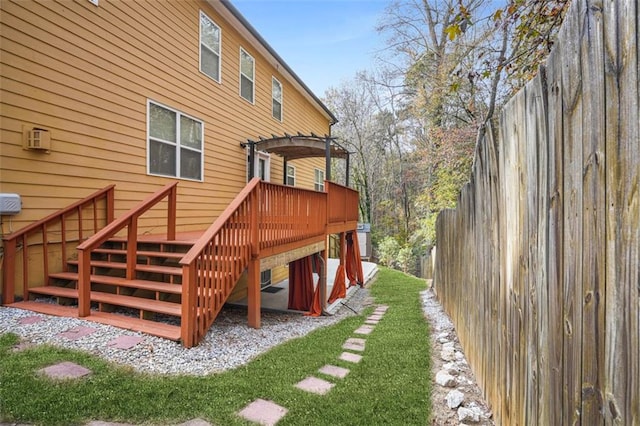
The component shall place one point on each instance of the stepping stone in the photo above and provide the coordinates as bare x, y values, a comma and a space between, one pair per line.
65, 370
382, 309
375, 317
350, 357
315, 385
30, 320
77, 332
264, 412
195, 422
365, 329
334, 371
125, 342
354, 344
371, 322
101, 423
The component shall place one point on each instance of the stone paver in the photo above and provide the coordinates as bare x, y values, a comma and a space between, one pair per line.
101, 423
195, 422
334, 371
365, 329
30, 320
125, 342
375, 317
77, 332
315, 385
350, 357
264, 412
371, 322
354, 344
382, 308
65, 370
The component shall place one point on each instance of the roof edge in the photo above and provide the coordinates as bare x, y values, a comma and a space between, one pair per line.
235, 13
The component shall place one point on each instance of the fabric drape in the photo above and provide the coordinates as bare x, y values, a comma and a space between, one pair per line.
353, 260
339, 290
301, 284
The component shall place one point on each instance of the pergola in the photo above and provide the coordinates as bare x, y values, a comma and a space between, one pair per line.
293, 147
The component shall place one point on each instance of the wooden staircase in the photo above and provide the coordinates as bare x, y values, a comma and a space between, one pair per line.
155, 291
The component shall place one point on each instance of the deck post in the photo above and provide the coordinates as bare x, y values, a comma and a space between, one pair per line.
9, 271
187, 320
84, 282
253, 295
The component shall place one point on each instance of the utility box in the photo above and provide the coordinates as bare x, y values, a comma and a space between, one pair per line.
364, 240
10, 204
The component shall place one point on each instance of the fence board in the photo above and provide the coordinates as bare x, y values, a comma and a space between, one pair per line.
538, 266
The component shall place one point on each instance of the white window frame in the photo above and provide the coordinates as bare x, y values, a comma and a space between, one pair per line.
94, 2
201, 45
291, 175
177, 144
318, 184
275, 81
241, 74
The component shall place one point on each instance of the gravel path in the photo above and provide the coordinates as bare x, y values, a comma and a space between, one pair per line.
229, 343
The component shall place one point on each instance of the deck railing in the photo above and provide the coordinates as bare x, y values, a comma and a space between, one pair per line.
342, 207
73, 224
129, 221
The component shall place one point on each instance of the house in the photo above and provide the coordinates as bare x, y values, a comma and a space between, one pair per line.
130, 132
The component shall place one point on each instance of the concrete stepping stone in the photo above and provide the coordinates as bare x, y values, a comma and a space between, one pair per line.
77, 332
365, 329
382, 309
101, 423
350, 357
354, 344
374, 317
125, 342
334, 371
195, 422
371, 322
264, 412
65, 370
315, 385
30, 320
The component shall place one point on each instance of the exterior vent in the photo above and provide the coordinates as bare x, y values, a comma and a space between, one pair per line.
35, 138
10, 204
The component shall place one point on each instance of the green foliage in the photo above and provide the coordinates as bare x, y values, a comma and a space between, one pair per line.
117, 394
388, 250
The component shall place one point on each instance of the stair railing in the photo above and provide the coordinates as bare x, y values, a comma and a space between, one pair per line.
214, 264
129, 221
95, 210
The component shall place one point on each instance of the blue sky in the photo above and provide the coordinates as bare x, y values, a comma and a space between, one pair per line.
323, 41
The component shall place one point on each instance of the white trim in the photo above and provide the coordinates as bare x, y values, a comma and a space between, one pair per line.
200, 44
317, 184
176, 143
94, 2
281, 100
253, 80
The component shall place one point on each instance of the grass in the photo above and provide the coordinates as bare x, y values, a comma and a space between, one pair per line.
390, 386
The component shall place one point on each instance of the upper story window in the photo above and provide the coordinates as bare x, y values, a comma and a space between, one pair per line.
276, 96
210, 41
247, 75
318, 182
175, 143
291, 175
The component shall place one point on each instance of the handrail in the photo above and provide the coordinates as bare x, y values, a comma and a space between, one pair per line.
130, 220
10, 241
216, 261
342, 199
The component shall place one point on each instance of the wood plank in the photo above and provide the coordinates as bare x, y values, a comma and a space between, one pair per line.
47, 308
123, 282
160, 254
154, 328
150, 305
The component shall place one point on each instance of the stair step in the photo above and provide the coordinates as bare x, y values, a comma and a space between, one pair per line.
141, 303
145, 253
159, 269
123, 282
156, 240
166, 331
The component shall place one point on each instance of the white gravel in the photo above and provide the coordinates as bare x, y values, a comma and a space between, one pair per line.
229, 343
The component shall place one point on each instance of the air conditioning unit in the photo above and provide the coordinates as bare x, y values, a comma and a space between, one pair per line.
10, 204
36, 139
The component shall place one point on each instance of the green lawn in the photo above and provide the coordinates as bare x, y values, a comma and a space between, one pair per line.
390, 386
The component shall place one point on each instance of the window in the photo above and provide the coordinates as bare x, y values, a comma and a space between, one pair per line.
276, 96
174, 143
262, 166
247, 78
291, 176
319, 180
210, 40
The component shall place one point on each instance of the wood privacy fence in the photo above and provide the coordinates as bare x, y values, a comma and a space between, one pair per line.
538, 266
